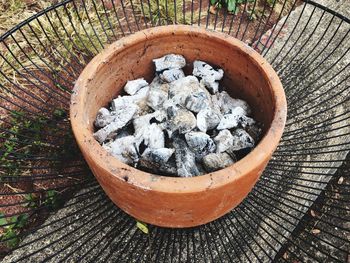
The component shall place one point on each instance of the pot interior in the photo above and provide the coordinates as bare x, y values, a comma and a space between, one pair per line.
243, 76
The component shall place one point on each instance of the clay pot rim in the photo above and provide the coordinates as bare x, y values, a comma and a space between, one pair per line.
147, 181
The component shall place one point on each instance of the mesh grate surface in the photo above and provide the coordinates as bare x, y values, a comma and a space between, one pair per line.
299, 209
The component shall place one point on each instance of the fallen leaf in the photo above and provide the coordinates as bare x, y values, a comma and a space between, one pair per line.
341, 180
315, 231
142, 226
312, 212
30, 3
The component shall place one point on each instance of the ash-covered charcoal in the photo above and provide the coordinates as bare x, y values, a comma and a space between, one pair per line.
177, 125
180, 89
139, 98
171, 108
208, 75
185, 159
196, 102
133, 86
183, 122
168, 169
216, 161
254, 131
205, 71
125, 131
242, 140
145, 120
151, 136
228, 104
200, 143
122, 117
161, 155
156, 82
233, 119
212, 86
224, 141
208, 119
157, 95
124, 149
103, 118
215, 103
158, 160
170, 61
171, 75
227, 142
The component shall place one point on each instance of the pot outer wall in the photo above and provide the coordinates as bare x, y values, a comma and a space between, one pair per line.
166, 201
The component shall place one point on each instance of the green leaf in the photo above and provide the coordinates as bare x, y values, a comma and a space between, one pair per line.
21, 221
17, 114
29, 197
142, 226
3, 220
213, 2
12, 237
231, 5
60, 113
50, 193
13, 219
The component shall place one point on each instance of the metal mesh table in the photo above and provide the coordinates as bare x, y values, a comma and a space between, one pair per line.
54, 210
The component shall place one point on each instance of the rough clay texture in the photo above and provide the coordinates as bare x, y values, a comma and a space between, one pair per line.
235, 237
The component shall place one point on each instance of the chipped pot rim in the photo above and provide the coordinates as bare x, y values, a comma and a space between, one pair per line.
92, 150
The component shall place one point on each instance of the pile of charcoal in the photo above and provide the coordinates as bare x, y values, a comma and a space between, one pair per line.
177, 125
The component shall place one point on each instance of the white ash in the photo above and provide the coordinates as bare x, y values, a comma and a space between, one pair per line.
171, 75
212, 86
170, 61
158, 159
203, 70
224, 141
161, 155
145, 120
124, 149
200, 143
242, 140
133, 86
216, 161
185, 159
180, 89
103, 118
208, 119
238, 140
151, 136
157, 96
197, 100
183, 122
139, 98
235, 118
227, 103
122, 116
177, 125
208, 75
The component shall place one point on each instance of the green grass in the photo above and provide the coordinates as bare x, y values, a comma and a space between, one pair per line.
37, 48
11, 227
31, 137
167, 13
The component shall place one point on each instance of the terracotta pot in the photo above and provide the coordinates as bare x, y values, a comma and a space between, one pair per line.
167, 201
